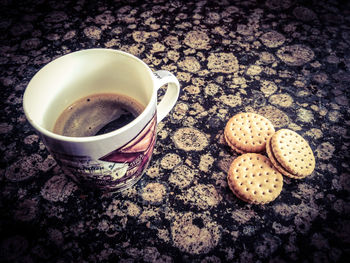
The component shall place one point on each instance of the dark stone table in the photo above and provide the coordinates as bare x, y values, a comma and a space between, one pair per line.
286, 60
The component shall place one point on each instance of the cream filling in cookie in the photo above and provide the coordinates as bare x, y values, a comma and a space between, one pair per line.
277, 164
293, 152
233, 147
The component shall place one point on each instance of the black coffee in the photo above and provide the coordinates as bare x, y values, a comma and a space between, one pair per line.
97, 114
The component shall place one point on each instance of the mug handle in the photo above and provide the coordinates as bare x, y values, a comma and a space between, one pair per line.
171, 95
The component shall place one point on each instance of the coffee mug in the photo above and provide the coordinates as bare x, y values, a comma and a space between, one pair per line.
115, 160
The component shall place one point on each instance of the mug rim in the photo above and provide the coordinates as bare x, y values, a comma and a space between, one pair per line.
123, 129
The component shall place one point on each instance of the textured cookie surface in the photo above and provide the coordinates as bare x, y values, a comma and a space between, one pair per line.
277, 165
233, 147
253, 179
248, 132
293, 152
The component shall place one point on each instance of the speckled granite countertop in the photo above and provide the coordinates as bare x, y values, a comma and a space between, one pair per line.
286, 60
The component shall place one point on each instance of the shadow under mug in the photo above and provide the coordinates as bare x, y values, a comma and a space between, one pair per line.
116, 160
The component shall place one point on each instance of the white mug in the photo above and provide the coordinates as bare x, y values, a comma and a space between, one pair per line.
116, 160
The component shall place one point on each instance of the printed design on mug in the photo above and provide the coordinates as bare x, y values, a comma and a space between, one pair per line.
117, 169
130, 160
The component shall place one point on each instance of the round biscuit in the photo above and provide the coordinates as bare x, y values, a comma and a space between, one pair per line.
254, 179
248, 131
293, 153
277, 164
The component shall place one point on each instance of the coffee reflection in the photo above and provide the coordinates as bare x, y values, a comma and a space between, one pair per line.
97, 114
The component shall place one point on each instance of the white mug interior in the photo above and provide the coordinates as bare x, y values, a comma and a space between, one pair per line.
71, 77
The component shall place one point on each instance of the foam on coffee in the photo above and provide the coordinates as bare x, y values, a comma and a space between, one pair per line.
97, 114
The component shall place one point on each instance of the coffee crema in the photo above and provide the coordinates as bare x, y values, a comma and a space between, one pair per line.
97, 114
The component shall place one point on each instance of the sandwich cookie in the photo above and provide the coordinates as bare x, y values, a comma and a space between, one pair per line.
253, 179
248, 132
291, 154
